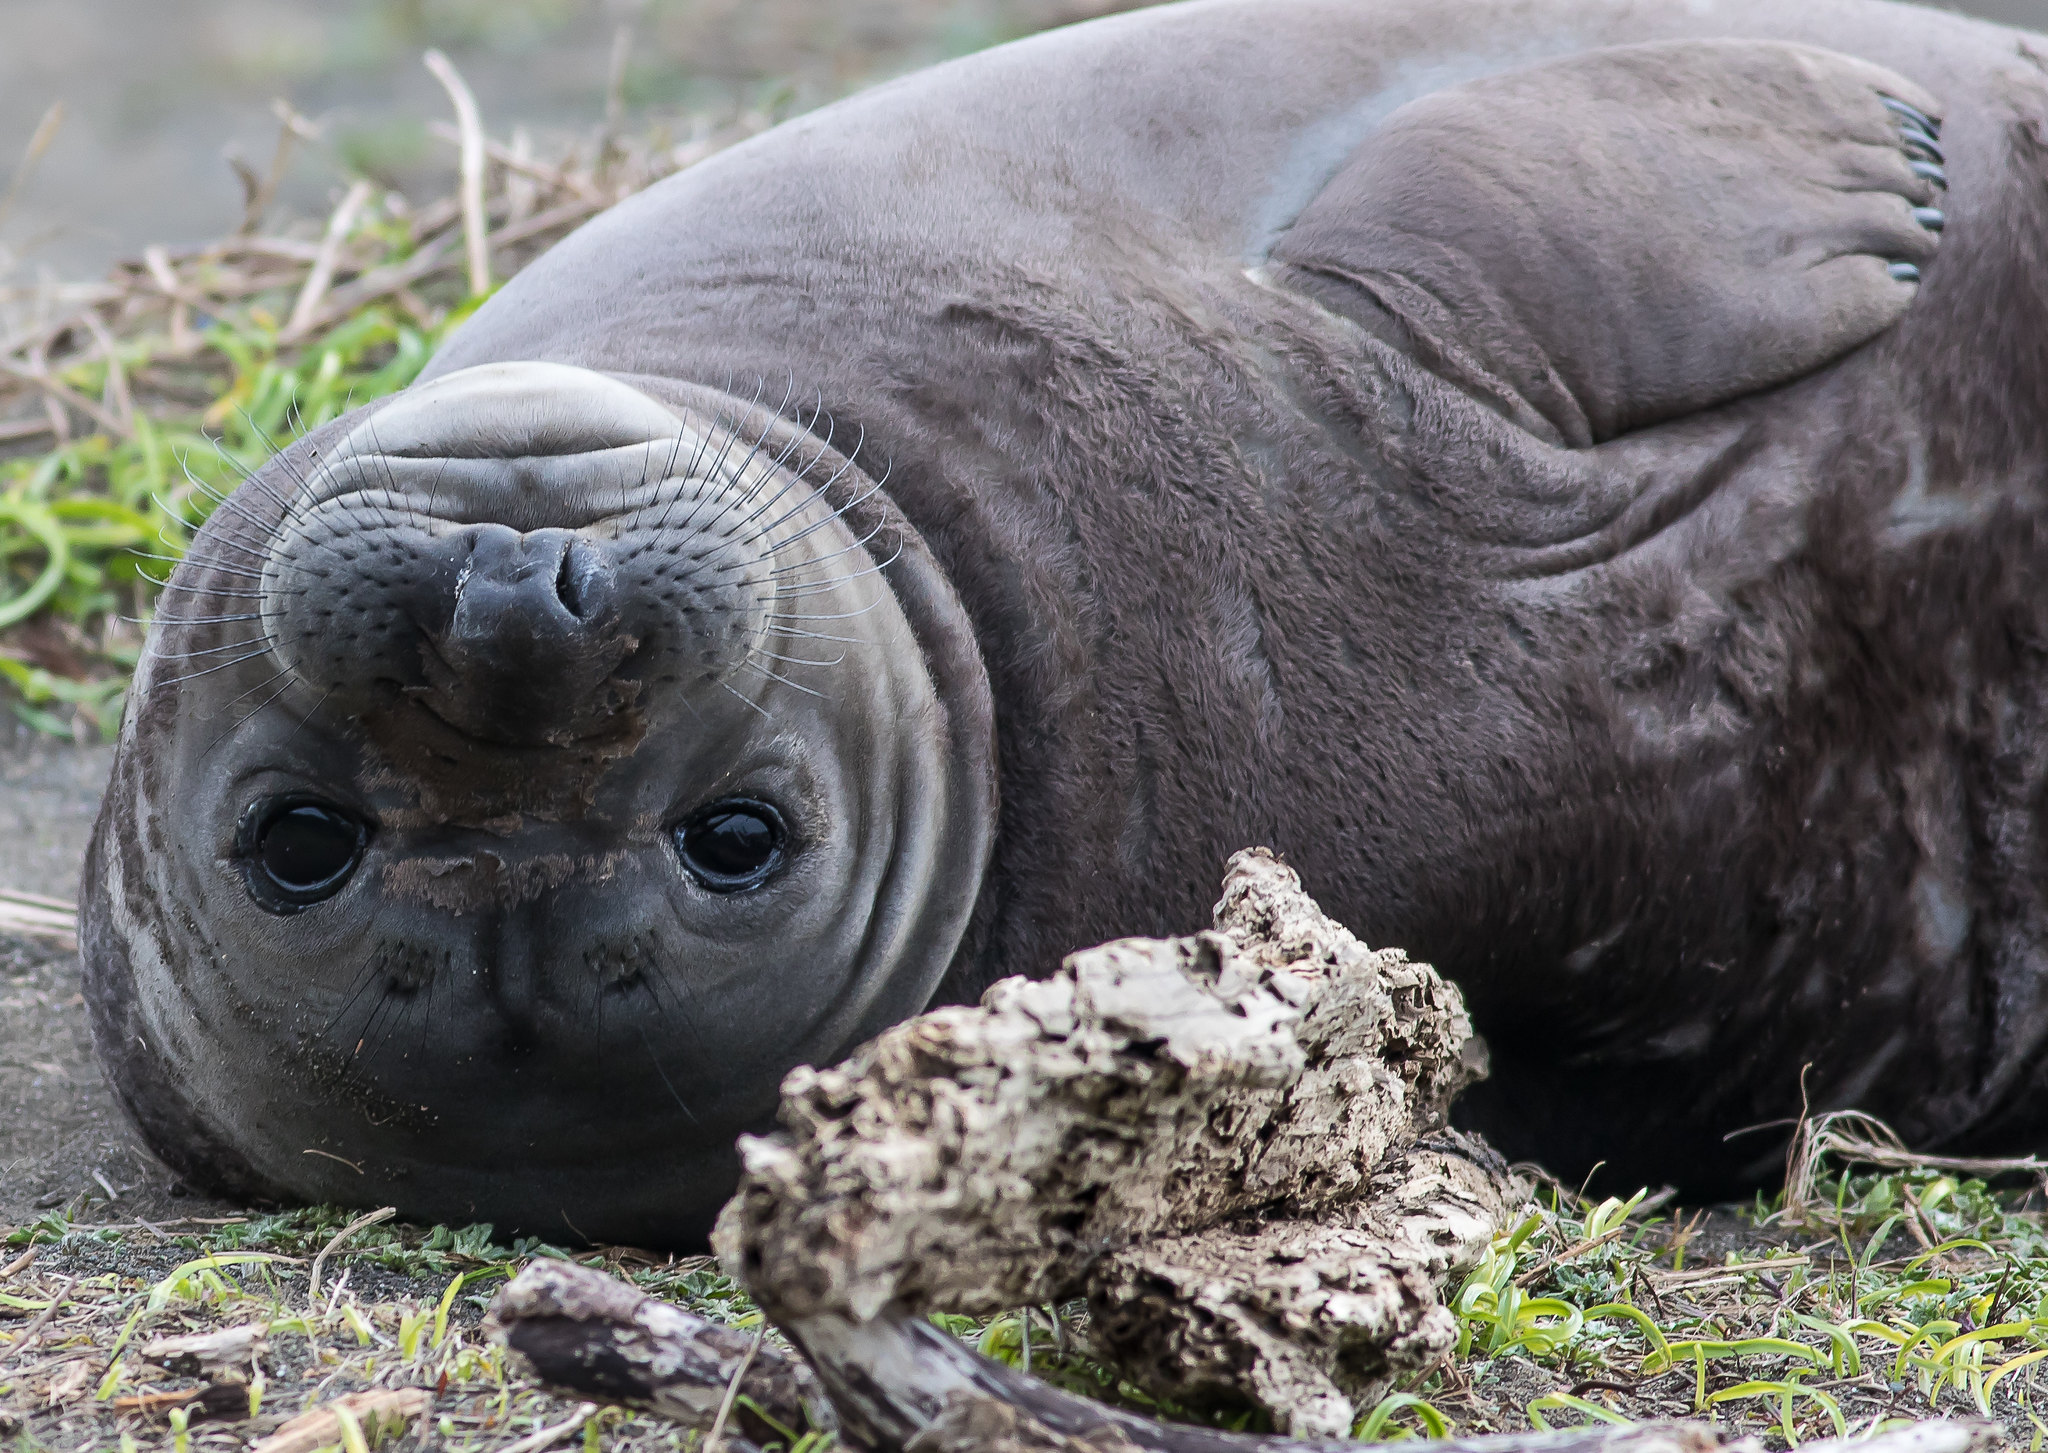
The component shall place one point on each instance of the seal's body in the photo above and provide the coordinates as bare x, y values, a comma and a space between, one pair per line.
1528, 464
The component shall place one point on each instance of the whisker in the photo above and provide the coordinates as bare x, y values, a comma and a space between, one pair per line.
220, 536
311, 712
859, 544
718, 471
819, 636
207, 590
250, 477
816, 492
676, 992
789, 483
170, 620
794, 480
232, 504
727, 434
222, 666
252, 690
363, 980
681, 1104
751, 664
843, 615
815, 525
209, 650
799, 660
745, 700
390, 477
200, 561
799, 590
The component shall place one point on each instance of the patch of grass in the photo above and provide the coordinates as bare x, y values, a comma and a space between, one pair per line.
89, 528
1904, 1295
398, 1306
1890, 1296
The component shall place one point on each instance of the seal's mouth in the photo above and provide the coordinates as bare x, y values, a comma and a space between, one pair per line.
529, 558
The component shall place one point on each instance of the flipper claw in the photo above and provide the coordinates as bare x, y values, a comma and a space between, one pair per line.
1920, 146
1913, 114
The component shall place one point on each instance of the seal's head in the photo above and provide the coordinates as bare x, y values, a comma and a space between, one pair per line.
524, 773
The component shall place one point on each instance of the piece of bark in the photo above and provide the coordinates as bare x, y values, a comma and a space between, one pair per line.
1193, 1134
1313, 1317
606, 1339
389, 1409
224, 1355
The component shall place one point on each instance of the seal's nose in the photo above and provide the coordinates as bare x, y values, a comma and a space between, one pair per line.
516, 591
532, 631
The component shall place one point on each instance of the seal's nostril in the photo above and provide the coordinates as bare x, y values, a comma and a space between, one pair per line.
582, 580
565, 585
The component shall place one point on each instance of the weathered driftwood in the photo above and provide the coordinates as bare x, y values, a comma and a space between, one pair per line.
606, 1339
1231, 1145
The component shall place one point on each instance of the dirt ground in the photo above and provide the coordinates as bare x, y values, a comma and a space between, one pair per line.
62, 1140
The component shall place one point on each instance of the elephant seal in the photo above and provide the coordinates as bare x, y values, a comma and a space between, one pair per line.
1567, 475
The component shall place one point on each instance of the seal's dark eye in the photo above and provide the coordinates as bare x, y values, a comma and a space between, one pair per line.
733, 845
301, 853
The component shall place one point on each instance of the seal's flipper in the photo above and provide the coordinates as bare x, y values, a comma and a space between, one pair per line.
1634, 233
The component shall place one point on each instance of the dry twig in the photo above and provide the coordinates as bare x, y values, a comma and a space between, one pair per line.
475, 225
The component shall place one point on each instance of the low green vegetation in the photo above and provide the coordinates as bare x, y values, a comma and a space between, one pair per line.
89, 527
1896, 1296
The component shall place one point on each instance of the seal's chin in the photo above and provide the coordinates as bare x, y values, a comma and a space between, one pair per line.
624, 756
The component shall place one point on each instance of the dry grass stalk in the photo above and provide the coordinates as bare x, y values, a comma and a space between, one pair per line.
475, 225
1852, 1136
30, 915
360, 1223
38, 142
548, 1437
33, 1332
314, 289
